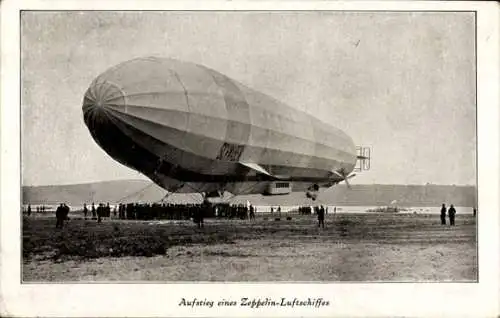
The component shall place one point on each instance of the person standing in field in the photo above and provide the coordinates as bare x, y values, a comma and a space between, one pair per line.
61, 215
252, 212
66, 212
100, 212
203, 209
321, 217
451, 215
58, 216
199, 213
443, 215
85, 210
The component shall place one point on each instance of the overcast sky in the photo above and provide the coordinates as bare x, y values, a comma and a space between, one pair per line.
401, 83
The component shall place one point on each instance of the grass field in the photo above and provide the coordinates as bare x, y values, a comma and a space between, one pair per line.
352, 247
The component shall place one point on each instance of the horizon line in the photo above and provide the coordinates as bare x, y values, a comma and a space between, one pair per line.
149, 181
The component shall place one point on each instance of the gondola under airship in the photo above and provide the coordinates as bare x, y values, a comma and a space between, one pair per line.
192, 129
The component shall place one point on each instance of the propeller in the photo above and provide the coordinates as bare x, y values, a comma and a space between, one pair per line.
312, 191
345, 177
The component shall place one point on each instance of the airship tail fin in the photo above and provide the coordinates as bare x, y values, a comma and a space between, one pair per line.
363, 159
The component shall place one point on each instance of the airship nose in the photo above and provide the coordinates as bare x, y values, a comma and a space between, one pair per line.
99, 101
103, 103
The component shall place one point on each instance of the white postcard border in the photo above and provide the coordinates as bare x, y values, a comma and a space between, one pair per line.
353, 299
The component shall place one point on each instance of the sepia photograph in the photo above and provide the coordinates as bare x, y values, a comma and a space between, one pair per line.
244, 159
248, 146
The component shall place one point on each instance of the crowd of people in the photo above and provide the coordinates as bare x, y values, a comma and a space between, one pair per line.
308, 210
196, 212
102, 211
39, 209
305, 210
148, 211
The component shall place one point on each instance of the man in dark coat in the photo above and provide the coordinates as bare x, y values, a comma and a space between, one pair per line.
85, 210
66, 212
59, 212
200, 212
100, 212
451, 215
443, 215
201, 218
252, 212
62, 212
93, 211
321, 217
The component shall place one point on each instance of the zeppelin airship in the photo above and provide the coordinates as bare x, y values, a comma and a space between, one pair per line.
190, 128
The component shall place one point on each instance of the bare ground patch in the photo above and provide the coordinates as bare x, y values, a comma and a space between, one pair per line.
351, 248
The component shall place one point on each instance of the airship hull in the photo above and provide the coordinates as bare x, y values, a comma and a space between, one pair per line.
182, 124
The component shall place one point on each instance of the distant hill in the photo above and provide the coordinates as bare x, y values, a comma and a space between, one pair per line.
109, 191
359, 195
407, 195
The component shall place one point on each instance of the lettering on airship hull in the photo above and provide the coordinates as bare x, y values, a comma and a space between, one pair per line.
230, 152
